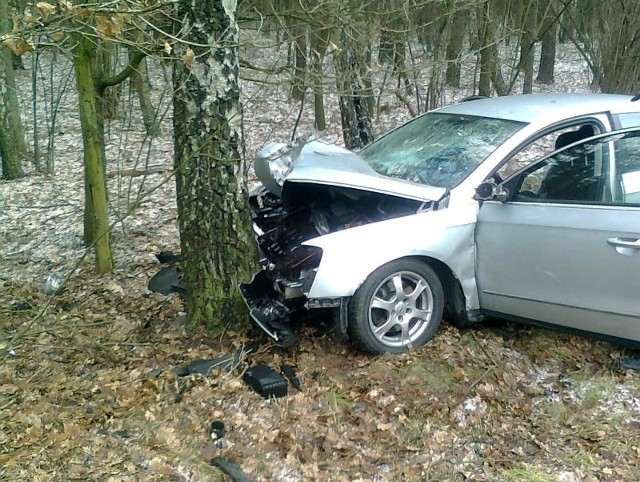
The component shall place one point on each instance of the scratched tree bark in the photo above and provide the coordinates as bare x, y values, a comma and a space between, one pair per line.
211, 170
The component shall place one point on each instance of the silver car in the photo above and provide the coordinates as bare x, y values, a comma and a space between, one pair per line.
524, 207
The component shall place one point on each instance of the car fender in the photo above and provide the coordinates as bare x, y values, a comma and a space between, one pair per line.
350, 256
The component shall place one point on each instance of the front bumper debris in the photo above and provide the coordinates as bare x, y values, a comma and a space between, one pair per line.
271, 315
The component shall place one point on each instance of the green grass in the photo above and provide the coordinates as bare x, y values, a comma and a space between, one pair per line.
525, 473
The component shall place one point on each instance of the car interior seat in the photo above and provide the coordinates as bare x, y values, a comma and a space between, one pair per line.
571, 177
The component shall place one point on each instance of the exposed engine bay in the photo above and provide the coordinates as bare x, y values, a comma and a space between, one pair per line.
281, 225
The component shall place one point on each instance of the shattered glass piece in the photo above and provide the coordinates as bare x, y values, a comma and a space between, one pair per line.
53, 283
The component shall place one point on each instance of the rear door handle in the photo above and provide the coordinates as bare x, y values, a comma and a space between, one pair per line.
633, 243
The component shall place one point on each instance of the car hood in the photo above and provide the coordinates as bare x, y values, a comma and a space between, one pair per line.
318, 162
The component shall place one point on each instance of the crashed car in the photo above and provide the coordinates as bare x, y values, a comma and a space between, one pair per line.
524, 207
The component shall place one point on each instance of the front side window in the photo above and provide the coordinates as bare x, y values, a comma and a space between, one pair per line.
575, 175
438, 149
585, 174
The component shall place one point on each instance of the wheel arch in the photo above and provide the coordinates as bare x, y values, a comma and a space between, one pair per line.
455, 309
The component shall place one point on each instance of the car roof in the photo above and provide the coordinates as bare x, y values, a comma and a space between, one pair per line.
531, 108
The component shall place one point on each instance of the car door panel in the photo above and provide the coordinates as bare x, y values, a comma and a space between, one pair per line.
576, 266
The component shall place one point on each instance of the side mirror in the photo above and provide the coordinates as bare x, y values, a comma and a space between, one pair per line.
490, 191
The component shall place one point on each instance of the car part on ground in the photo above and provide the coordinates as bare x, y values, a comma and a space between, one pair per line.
166, 281
266, 381
232, 469
228, 363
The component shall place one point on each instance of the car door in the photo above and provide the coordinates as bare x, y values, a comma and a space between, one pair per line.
565, 247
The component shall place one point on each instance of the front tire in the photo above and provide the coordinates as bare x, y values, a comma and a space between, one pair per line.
398, 308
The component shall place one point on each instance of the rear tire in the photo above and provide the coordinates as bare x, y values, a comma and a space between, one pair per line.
398, 308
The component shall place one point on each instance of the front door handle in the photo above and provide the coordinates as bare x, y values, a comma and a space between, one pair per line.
633, 243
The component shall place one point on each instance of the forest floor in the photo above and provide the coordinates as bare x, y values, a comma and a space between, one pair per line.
88, 389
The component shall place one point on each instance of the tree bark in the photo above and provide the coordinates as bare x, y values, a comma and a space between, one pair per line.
106, 58
357, 129
548, 53
454, 47
140, 85
96, 218
527, 43
211, 171
319, 45
13, 147
300, 47
487, 59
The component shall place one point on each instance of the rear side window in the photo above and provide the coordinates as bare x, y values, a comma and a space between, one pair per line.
627, 170
629, 120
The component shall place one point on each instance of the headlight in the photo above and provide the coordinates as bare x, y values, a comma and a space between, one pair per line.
272, 164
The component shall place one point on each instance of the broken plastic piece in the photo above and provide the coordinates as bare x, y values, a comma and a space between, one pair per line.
231, 469
217, 430
266, 381
166, 281
289, 372
167, 257
631, 363
226, 362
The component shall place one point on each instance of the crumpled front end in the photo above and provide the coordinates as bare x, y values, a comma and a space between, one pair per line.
279, 292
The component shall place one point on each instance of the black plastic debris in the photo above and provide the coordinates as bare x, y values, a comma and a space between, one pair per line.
289, 372
231, 469
227, 362
166, 281
632, 363
20, 306
217, 430
266, 381
168, 257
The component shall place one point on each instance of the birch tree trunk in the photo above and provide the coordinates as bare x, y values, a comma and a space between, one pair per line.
211, 171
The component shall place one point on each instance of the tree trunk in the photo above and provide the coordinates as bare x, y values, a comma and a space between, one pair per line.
548, 53
357, 129
454, 47
319, 44
96, 219
105, 67
140, 85
487, 60
527, 43
298, 32
13, 147
211, 171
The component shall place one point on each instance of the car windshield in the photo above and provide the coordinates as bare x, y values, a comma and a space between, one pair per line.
438, 149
